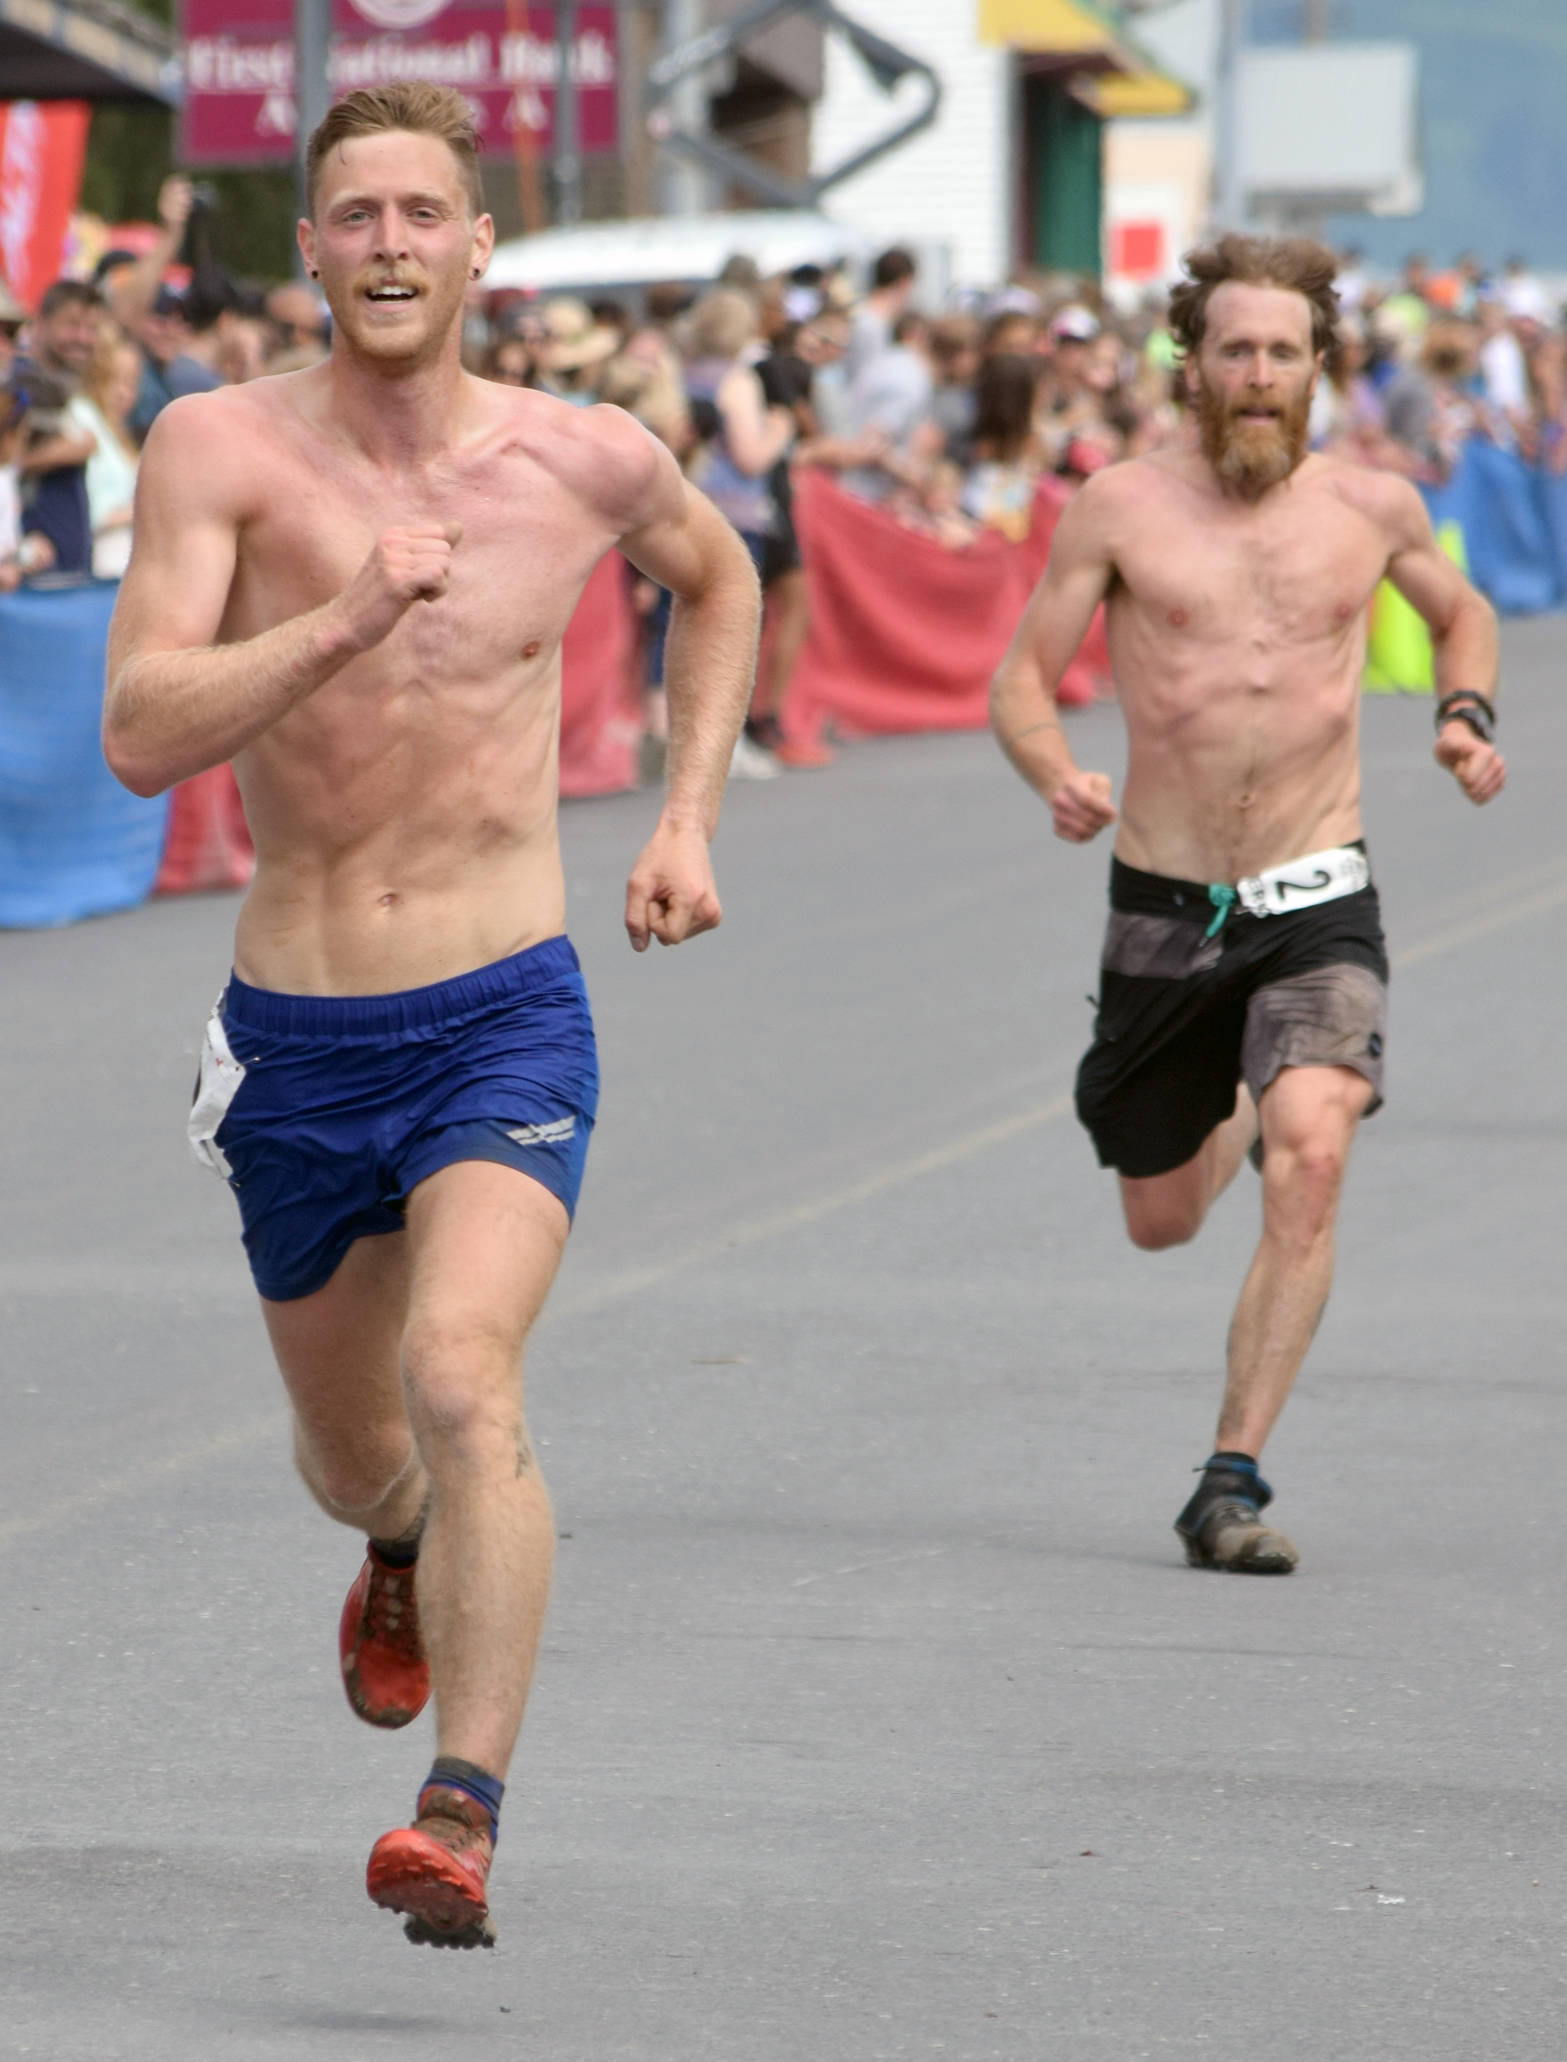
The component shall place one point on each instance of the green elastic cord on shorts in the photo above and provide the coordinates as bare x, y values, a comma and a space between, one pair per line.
1223, 898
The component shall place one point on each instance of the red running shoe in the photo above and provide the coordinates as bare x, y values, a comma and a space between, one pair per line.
436, 1871
384, 1670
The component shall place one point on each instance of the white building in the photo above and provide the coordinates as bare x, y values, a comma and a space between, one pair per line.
1010, 176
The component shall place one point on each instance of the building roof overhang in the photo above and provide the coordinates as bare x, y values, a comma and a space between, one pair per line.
1087, 46
87, 50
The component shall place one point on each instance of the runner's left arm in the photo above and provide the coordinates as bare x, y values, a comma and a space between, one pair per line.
1463, 636
675, 536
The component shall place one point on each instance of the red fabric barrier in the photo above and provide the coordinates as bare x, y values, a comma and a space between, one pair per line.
906, 633
600, 721
208, 841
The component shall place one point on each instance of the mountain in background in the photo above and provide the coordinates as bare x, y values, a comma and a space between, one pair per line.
1493, 93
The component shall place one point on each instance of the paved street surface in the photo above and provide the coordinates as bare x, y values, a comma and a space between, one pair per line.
878, 1716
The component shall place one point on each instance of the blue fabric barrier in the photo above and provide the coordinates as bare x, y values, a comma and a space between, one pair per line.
73, 842
1514, 519
1553, 495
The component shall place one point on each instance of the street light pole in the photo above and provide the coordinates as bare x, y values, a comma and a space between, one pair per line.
312, 93
567, 164
1229, 192
683, 183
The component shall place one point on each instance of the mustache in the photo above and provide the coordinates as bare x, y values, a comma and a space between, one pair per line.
1251, 457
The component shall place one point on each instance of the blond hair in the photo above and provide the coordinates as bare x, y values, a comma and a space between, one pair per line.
413, 105
721, 324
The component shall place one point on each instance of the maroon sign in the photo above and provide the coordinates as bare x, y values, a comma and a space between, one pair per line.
239, 69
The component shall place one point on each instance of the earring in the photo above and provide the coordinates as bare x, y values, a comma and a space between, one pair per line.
474, 272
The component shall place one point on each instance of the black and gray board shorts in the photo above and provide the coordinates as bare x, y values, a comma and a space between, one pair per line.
1183, 1016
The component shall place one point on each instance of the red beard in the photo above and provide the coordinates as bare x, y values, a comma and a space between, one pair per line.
1251, 457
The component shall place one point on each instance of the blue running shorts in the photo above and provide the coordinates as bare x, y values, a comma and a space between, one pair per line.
324, 1112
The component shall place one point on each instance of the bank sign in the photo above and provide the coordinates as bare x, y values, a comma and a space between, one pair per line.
501, 54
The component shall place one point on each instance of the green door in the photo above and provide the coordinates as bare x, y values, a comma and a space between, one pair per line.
1065, 179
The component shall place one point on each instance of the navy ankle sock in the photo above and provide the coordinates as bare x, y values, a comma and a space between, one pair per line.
397, 1553
1224, 1475
453, 1773
1231, 1463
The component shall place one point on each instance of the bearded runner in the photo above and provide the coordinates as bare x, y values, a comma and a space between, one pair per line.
1243, 985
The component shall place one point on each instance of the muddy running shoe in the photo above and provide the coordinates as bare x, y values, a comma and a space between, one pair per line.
436, 1871
384, 1670
1232, 1536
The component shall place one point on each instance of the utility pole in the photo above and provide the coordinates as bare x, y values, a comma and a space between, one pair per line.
1228, 192
683, 186
312, 93
1316, 20
567, 161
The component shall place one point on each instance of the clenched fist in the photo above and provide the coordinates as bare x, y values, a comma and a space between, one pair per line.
1479, 768
404, 566
671, 895
1081, 806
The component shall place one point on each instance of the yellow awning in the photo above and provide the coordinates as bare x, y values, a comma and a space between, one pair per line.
1136, 93
1067, 26
1117, 78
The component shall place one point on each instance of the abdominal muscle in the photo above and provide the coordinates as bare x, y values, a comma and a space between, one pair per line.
430, 853
1228, 776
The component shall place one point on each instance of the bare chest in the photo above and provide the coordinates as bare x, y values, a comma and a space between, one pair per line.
1268, 581
524, 551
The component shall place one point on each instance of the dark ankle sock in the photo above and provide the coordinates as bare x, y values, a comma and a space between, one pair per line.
1224, 1475
452, 1773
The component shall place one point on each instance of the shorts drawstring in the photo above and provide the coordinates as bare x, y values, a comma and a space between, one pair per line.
1223, 898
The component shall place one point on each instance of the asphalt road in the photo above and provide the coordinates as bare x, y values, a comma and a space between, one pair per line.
878, 1716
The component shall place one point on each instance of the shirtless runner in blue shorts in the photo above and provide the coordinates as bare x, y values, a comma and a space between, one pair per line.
353, 582
1243, 983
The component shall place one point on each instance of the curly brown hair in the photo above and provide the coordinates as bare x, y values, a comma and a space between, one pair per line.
1298, 263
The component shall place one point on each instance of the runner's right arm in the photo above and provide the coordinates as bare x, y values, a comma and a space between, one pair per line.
178, 702
1023, 711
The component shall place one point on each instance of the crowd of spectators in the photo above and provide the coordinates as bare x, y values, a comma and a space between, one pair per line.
83, 378
945, 419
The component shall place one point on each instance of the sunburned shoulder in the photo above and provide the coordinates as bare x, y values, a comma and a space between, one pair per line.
230, 419
219, 451
1127, 492
1386, 499
602, 454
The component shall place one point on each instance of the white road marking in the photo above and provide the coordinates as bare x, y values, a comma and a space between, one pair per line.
1517, 906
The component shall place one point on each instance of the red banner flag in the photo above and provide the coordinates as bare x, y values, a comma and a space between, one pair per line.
42, 146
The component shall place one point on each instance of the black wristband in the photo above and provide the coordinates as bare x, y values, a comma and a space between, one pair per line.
1468, 705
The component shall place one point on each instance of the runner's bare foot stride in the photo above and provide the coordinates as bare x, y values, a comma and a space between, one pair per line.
1243, 993
353, 581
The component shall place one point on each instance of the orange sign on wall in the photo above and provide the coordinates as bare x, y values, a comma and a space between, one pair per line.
42, 146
